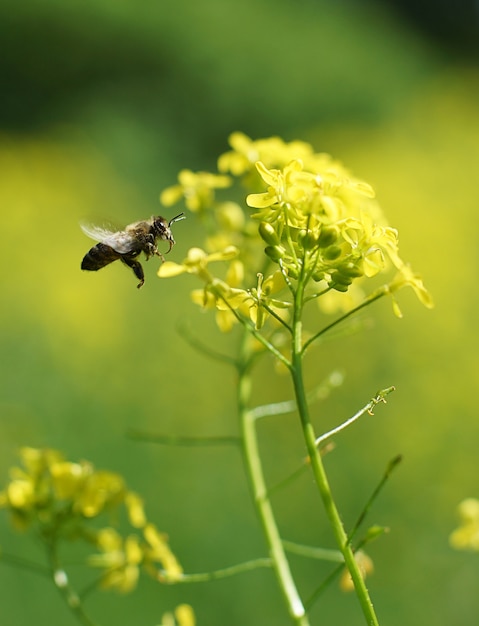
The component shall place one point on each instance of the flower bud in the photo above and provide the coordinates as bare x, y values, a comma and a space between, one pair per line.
332, 252
268, 234
328, 236
275, 253
340, 282
307, 239
351, 269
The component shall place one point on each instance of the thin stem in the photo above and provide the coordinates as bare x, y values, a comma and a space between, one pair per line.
20, 562
69, 595
375, 296
205, 349
262, 503
389, 469
312, 552
368, 408
275, 408
277, 317
178, 440
247, 324
226, 572
323, 586
318, 467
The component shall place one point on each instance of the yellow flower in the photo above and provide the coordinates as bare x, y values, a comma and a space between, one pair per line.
101, 489
289, 194
158, 551
407, 278
184, 616
260, 300
197, 188
466, 537
135, 508
366, 567
68, 478
121, 560
272, 151
196, 262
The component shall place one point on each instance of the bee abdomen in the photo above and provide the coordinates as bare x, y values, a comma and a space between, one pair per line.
99, 256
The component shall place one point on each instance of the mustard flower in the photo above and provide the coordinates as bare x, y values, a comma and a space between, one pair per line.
261, 302
273, 151
407, 278
157, 551
366, 567
60, 497
466, 537
319, 224
196, 262
288, 195
183, 616
197, 189
121, 559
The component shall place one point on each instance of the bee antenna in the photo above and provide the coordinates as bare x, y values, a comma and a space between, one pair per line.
178, 218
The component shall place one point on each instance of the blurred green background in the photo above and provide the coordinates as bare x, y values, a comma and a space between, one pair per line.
102, 102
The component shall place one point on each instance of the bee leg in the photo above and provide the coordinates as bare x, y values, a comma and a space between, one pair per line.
137, 269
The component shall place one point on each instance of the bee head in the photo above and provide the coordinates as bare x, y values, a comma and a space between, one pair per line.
162, 229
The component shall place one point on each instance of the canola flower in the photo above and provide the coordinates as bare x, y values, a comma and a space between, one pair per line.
466, 536
306, 223
59, 500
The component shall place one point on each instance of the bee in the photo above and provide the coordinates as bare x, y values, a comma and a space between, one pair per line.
128, 244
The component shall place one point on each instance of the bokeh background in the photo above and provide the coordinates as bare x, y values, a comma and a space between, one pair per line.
102, 102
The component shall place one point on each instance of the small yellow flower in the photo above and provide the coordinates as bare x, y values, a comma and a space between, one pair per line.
196, 262
119, 559
407, 278
289, 193
197, 188
101, 489
260, 299
272, 151
184, 616
135, 507
366, 567
68, 478
466, 537
158, 551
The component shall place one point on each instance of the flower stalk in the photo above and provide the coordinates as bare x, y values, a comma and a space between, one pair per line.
318, 468
254, 469
316, 235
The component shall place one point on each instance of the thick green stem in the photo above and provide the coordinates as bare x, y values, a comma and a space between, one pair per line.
318, 467
260, 495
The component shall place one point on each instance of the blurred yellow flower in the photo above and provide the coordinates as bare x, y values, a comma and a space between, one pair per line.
58, 496
466, 537
183, 616
197, 188
366, 567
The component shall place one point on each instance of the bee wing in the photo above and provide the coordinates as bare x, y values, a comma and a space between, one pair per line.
119, 240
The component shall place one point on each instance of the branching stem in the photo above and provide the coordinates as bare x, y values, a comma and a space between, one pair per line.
317, 464
261, 500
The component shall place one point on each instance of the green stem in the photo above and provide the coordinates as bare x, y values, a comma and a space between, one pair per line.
383, 291
318, 467
262, 503
233, 570
69, 595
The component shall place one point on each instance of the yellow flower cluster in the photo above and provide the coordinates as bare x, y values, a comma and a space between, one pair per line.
313, 224
58, 498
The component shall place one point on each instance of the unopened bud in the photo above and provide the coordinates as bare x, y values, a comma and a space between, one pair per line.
327, 237
275, 253
268, 234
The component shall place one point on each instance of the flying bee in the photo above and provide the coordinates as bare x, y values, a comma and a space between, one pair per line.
128, 244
